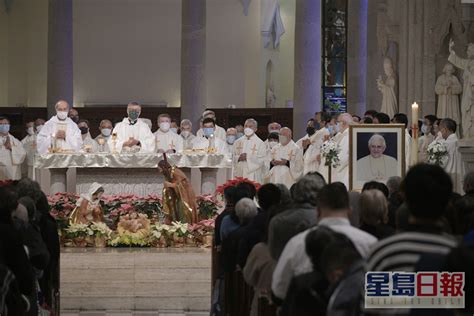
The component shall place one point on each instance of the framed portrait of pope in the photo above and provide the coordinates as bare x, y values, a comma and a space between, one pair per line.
376, 153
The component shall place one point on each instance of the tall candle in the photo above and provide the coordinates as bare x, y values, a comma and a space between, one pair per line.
414, 134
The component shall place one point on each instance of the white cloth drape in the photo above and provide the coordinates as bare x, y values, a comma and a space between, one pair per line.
272, 22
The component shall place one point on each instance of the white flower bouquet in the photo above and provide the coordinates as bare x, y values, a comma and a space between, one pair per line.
330, 152
101, 229
79, 230
438, 153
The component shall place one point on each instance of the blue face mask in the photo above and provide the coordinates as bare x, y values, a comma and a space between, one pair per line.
208, 131
330, 129
4, 128
230, 139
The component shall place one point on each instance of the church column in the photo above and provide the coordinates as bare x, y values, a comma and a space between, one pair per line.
60, 53
193, 57
307, 82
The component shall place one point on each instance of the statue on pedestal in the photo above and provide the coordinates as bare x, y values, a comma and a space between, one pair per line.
88, 209
270, 99
448, 88
388, 88
467, 100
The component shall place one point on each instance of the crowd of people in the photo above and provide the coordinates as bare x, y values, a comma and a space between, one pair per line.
29, 251
305, 250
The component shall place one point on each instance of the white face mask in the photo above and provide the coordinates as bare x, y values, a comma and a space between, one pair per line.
106, 132
174, 130
272, 144
165, 126
38, 128
283, 140
62, 115
30, 130
185, 134
248, 132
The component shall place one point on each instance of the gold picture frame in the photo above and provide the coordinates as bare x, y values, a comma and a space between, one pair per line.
365, 165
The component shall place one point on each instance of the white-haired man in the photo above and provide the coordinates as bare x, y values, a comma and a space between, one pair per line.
341, 173
167, 141
219, 131
273, 127
101, 141
376, 166
133, 135
249, 153
67, 134
188, 137
285, 160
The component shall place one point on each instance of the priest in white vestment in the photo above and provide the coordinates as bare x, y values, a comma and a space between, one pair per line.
88, 144
285, 161
428, 137
312, 156
273, 127
29, 144
341, 173
61, 128
230, 138
453, 165
376, 166
167, 141
209, 142
219, 133
12, 153
305, 141
324, 134
249, 154
102, 139
186, 128
132, 134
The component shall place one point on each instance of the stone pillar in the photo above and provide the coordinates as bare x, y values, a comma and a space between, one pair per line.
307, 84
60, 53
357, 57
193, 57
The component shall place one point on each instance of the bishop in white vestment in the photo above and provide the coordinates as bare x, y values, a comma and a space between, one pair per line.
167, 141
285, 161
453, 165
63, 129
341, 173
133, 135
249, 154
12, 153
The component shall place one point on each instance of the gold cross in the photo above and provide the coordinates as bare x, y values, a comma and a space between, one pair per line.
290, 155
239, 148
254, 149
172, 146
273, 154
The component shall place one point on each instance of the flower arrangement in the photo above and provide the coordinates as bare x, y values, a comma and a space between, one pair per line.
330, 152
233, 182
438, 153
62, 204
208, 206
100, 229
116, 206
132, 230
79, 231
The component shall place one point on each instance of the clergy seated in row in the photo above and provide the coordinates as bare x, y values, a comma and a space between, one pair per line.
12, 153
273, 127
341, 172
133, 135
61, 131
209, 142
230, 138
105, 128
453, 165
249, 154
429, 135
219, 133
285, 161
376, 165
167, 141
188, 137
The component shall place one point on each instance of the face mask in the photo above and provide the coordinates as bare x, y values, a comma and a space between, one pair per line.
75, 119
133, 115
38, 128
272, 144
248, 132
208, 131
62, 115
337, 128
165, 126
424, 129
239, 135
174, 130
230, 139
330, 129
30, 130
84, 130
185, 134
274, 131
4, 128
283, 140
310, 130
106, 132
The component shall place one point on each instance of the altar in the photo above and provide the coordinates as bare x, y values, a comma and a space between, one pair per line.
128, 173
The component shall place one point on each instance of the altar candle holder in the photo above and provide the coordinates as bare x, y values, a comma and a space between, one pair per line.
414, 134
114, 143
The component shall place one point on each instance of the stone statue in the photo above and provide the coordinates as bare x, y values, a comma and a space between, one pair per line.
388, 88
467, 100
448, 88
270, 100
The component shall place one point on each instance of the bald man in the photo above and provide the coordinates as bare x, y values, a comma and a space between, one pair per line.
285, 160
377, 166
341, 173
67, 134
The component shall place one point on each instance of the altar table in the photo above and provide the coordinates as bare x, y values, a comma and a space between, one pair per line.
130, 173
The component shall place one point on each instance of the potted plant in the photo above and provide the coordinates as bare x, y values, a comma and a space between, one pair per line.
79, 233
102, 234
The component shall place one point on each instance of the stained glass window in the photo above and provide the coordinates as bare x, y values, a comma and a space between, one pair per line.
334, 57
